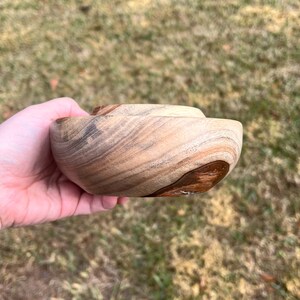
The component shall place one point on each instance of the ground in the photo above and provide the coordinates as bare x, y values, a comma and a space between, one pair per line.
233, 59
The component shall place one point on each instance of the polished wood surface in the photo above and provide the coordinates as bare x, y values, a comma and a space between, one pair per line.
148, 110
146, 150
199, 180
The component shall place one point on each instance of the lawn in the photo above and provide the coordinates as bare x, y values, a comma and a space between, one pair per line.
232, 59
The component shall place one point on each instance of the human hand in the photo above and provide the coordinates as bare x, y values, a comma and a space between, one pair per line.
32, 188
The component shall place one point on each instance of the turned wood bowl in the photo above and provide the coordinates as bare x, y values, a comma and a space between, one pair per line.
146, 150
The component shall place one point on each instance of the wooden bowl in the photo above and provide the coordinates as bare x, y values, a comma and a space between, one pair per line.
146, 150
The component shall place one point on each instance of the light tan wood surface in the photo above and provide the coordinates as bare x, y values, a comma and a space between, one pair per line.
146, 150
148, 110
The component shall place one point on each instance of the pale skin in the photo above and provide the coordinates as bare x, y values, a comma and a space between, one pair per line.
32, 188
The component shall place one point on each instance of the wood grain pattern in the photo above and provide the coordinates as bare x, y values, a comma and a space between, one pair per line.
149, 151
165, 110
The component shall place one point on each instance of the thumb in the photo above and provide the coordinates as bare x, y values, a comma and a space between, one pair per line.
59, 108
45, 113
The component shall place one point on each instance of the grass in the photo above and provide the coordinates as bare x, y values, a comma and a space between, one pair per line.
232, 59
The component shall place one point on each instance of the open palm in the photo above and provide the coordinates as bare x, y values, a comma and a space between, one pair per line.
32, 188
